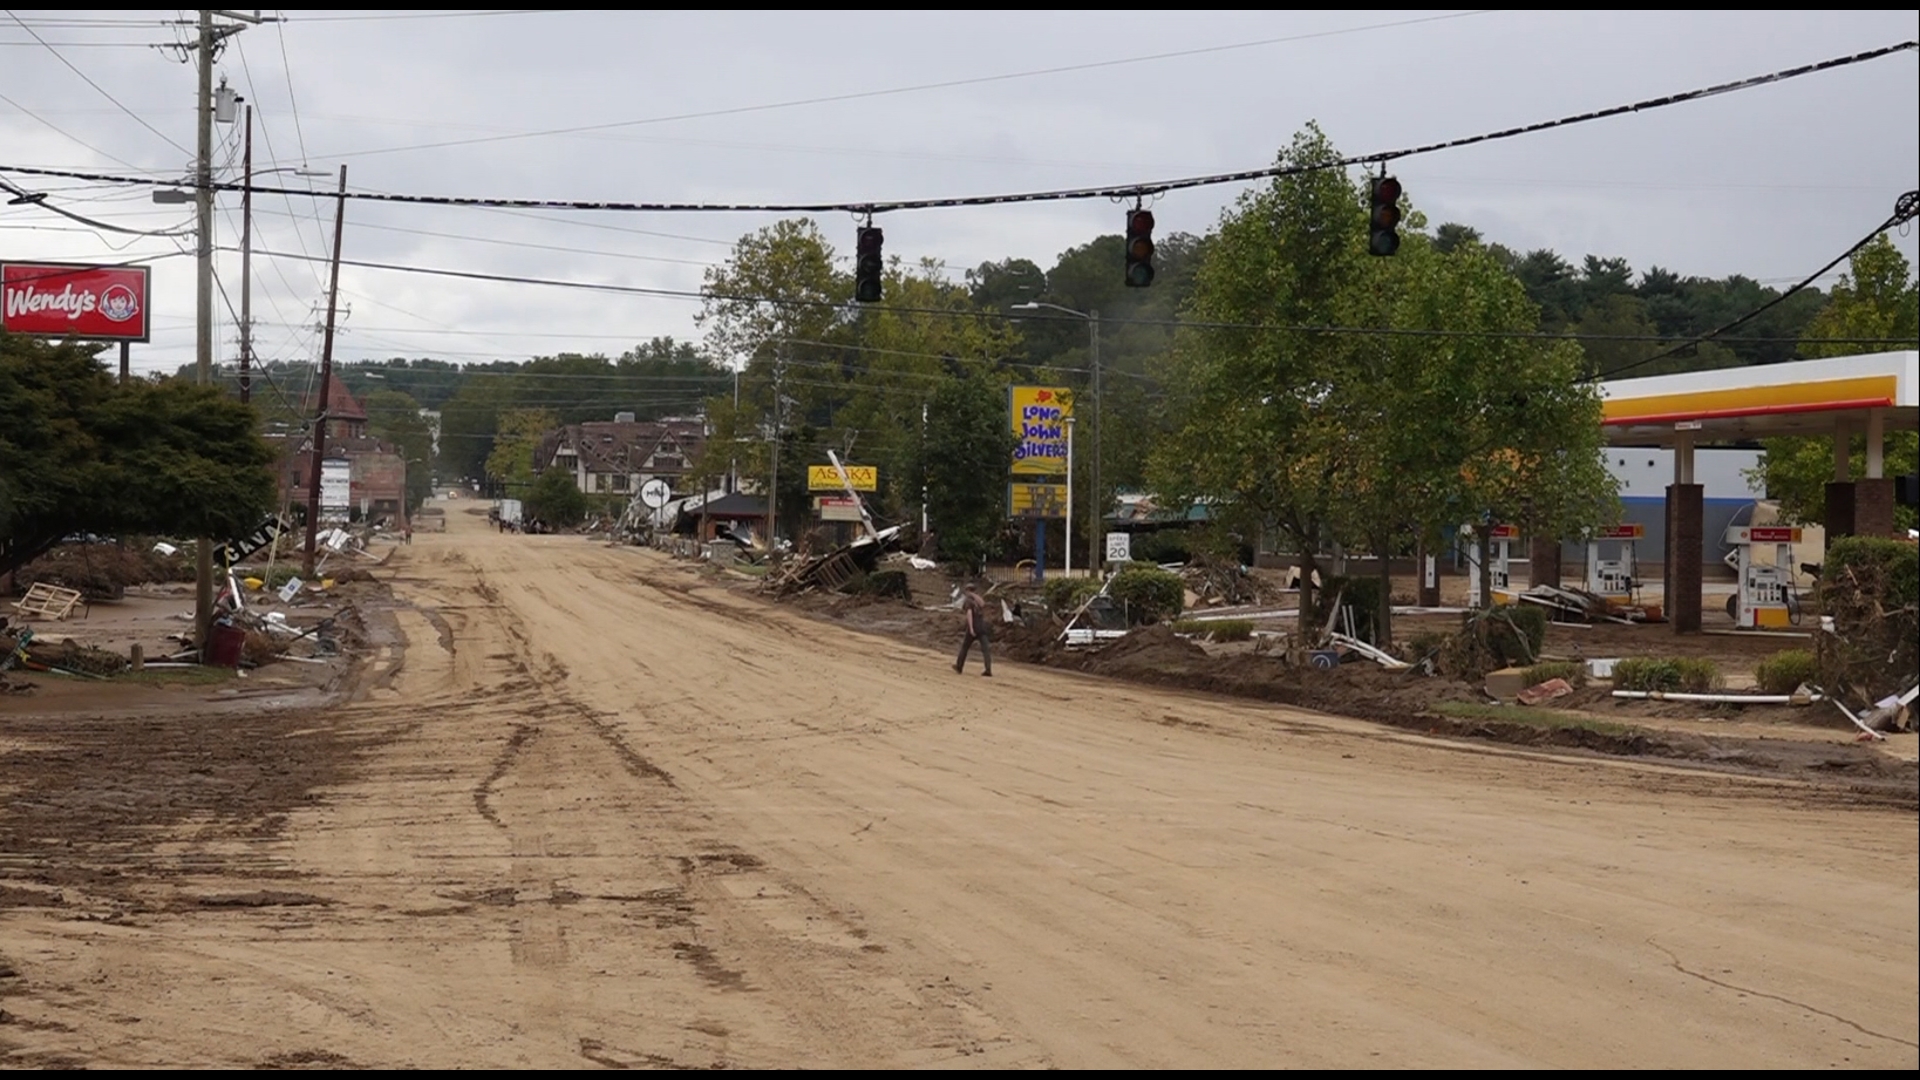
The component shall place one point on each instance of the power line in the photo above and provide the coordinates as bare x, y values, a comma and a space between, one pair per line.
686, 294
944, 85
1124, 191
525, 244
103, 90
437, 15
58, 130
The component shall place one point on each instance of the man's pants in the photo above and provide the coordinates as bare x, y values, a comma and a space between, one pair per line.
985, 639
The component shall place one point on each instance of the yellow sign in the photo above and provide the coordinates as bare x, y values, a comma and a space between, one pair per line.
1039, 415
1036, 500
827, 478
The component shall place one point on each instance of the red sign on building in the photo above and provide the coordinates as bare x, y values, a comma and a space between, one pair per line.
104, 303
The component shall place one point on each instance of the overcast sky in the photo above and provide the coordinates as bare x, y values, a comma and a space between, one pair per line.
1769, 182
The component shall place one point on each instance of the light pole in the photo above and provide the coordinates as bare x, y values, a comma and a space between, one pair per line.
1097, 521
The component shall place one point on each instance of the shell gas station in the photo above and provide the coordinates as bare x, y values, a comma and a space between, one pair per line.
1838, 398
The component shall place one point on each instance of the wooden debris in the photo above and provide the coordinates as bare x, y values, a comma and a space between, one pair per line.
45, 601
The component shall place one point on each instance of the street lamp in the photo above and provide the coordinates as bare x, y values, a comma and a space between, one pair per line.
1095, 555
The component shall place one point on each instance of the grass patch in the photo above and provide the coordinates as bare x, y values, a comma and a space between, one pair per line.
198, 675
1519, 714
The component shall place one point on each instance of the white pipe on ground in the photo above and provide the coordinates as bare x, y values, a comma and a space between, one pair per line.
1723, 699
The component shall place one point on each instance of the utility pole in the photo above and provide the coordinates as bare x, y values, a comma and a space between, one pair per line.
207, 42
326, 379
246, 271
203, 299
1097, 522
773, 478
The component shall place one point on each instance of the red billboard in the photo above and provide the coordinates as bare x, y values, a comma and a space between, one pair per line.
104, 303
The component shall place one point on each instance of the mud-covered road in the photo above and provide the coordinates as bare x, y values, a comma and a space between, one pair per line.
586, 809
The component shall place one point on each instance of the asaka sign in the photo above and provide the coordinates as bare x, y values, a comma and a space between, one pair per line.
103, 303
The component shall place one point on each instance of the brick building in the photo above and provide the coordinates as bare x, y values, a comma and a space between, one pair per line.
377, 489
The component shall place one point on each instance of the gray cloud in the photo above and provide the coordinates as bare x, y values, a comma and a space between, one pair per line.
1771, 182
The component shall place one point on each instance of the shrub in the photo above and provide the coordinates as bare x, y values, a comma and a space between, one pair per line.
1230, 629
1516, 632
1686, 674
1162, 546
1215, 629
1148, 593
1064, 595
1784, 671
1426, 643
1362, 594
889, 583
1570, 670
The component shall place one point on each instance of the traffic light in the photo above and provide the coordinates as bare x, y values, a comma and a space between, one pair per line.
1139, 248
1383, 215
867, 264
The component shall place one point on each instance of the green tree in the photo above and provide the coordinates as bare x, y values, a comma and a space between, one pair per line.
555, 499
79, 453
394, 418
962, 461
1875, 299
511, 463
1368, 439
1249, 429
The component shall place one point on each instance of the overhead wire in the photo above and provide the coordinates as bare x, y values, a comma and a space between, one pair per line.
1904, 210
141, 120
707, 295
1140, 189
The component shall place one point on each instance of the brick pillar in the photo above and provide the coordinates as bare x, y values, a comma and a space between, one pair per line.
1872, 507
1543, 561
1840, 509
1685, 549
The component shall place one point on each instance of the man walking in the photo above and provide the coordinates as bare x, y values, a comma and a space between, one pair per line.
973, 612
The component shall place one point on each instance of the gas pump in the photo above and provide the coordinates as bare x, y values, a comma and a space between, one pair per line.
1500, 540
1612, 580
1763, 595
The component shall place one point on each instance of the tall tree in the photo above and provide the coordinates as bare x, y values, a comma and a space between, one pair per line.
961, 459
511, 464
1249, 432
394, 418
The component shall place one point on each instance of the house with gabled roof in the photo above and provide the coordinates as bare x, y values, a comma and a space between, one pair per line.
615, 457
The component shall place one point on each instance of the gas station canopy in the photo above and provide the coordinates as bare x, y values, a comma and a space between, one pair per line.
1804, 397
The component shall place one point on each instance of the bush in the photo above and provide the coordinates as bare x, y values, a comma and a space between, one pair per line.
1870, 586
1064, 595
1570, 670
1147, 593
889, 583
1686, 674
1426, 643
1518, 631
1162, 546
1784, 671
1215, 629
1362, 594
1230, 629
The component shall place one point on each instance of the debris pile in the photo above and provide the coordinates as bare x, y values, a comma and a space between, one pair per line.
836, 570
